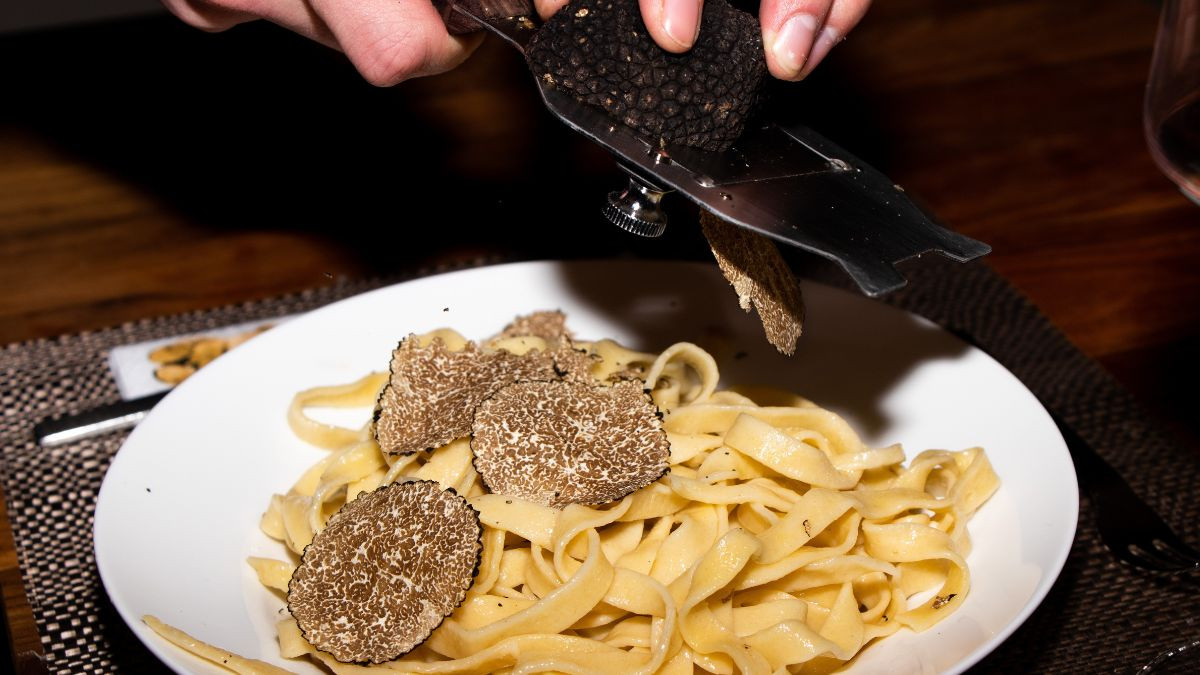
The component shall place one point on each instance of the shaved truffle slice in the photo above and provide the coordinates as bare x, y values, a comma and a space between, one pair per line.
572, 363
385, 571
599, 52
432, 392
761, 278
563, 442
551, 326
635, 373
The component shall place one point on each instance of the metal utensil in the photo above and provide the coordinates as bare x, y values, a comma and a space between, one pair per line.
782, 180
1182, 659
95, 421
1129, 528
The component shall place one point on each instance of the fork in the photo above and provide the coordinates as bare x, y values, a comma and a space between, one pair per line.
1129, 528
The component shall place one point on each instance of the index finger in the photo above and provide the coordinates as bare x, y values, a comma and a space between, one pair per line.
390, 41
672, 24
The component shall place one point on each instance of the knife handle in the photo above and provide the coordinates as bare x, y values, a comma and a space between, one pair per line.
460, 24
96, 421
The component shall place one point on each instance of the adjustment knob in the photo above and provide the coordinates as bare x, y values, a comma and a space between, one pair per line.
637, 209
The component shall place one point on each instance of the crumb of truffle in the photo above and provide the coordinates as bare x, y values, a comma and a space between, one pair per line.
943, 600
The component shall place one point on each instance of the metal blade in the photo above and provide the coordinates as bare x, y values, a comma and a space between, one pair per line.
789, 183
514, 22
784, 181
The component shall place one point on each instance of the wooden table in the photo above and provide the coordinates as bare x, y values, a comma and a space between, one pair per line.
147, 168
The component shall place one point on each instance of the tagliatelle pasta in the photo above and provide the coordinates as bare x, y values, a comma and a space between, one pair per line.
778, 542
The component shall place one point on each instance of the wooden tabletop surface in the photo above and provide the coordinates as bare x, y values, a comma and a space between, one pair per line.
147, 168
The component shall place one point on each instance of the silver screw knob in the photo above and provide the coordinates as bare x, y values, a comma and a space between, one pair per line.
637, 209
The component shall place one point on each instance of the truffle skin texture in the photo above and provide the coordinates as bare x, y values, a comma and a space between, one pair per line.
432, 392
388, 568
563, 442
604, 57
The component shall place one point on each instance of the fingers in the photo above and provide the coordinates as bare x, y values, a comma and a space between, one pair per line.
843, 16
798, 34
673, 24
218, 15
546, 8
206, 15
390, 41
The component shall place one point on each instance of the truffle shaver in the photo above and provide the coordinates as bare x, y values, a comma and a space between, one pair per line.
779, 179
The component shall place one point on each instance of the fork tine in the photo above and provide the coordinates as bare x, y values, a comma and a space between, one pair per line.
1172, 551
1129, 529
1172, 540
1154, 559
1132, 530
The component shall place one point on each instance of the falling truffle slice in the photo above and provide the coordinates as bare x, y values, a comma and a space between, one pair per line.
761, 278
385, 571
562, 442
432, 392
599, 52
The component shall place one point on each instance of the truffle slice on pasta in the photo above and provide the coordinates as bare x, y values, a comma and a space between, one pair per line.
573, 363
570, 362
432, 392
566, 442
386, 571
551, 326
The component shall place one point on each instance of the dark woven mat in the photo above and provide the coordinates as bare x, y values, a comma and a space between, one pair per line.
1099, 617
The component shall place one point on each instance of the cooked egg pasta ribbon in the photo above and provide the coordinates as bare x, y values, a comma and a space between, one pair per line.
361, 392
778, 538
216, 655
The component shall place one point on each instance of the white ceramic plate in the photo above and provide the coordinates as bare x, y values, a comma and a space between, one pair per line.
178, 512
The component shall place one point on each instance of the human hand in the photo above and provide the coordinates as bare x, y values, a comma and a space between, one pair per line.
390, 41
797, 34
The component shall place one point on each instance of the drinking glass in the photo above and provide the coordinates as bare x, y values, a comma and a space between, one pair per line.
1172, 106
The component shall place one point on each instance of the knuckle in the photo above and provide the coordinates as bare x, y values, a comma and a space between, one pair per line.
255, 7
391, 58
207, 15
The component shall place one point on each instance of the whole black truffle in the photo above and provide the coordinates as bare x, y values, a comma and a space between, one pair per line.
599, 51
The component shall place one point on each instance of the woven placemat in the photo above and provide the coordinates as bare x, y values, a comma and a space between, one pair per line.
1100, 616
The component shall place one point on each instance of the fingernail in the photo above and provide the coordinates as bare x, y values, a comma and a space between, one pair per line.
793, 42
681, 21
825, 41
